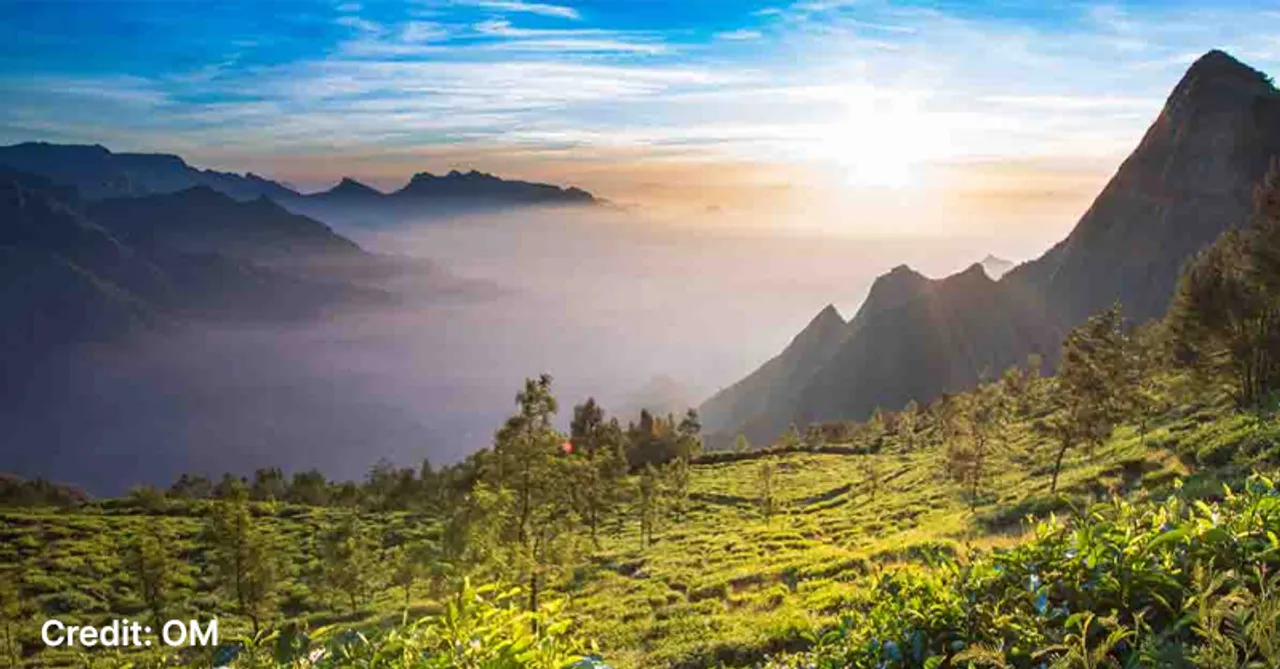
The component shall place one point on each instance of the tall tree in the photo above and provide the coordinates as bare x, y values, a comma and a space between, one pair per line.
597, 454
987, 418
527, 473
1225, 317
907, 421
649, 503
245, 557
151, 568
1091, 386
767, 492
349, 560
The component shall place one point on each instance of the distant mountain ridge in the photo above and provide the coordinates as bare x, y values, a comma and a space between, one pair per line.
75, 272
97, 174
1189, 179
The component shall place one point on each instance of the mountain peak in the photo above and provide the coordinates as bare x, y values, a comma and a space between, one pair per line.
351, 187
995, 266
1215, 81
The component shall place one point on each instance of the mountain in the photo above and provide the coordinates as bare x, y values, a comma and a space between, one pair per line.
1189, 179
482, 187
890, 291
349, 190
995, 267
428, 196
943, 340
74, 272
97, 173
204, 221
62, 277
778, 381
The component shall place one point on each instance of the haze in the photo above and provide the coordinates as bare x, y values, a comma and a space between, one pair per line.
605, 302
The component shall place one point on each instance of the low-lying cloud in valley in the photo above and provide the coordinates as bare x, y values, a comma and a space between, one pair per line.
604, 301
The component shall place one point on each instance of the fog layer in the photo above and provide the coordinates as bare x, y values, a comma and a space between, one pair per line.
604, 302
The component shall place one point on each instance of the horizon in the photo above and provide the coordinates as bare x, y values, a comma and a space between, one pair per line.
853, 119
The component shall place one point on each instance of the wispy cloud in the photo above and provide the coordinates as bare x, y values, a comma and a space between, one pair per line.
539, 8
740, 35
809, 81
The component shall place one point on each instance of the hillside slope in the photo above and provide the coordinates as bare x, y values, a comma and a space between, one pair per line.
1190, 178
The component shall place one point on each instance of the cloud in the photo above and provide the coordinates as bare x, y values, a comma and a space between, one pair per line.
740, 35
359, 24
539, 8
423, 31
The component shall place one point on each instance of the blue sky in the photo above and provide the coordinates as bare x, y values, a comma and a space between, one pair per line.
627, 97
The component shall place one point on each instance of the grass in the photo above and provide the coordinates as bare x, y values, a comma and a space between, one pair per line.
720, 584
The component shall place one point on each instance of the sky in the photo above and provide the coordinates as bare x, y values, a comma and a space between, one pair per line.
998, 114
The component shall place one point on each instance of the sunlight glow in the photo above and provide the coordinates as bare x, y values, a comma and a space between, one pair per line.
882, 140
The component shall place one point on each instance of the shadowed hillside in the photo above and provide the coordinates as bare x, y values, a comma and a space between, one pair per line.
1189, 179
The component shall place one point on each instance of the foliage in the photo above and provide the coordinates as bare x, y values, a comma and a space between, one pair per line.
1118, 585
1225, 311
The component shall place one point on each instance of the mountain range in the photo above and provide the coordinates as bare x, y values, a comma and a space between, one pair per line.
1190, 178
76, 271
97, 173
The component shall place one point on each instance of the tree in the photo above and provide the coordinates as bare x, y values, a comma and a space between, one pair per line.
873, 430
348, 561
870, 469
152, 569
268, 484
741, 444
987, 418
245, 558
648, 504
1092, 385
189, 486
11, 618
688, 447
409, 564
309, 487
907, 420
532, 507
1147, 360
598, 458
1225, 317
767, 500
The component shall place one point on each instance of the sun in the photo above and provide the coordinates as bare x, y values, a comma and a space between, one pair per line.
880, 141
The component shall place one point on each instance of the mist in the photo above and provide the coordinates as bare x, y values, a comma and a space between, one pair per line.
604, 301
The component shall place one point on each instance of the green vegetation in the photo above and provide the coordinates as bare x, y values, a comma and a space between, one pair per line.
1113, 515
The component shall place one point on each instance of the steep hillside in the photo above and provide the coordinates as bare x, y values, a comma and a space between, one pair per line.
777, 379
958, 329
1190, 178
